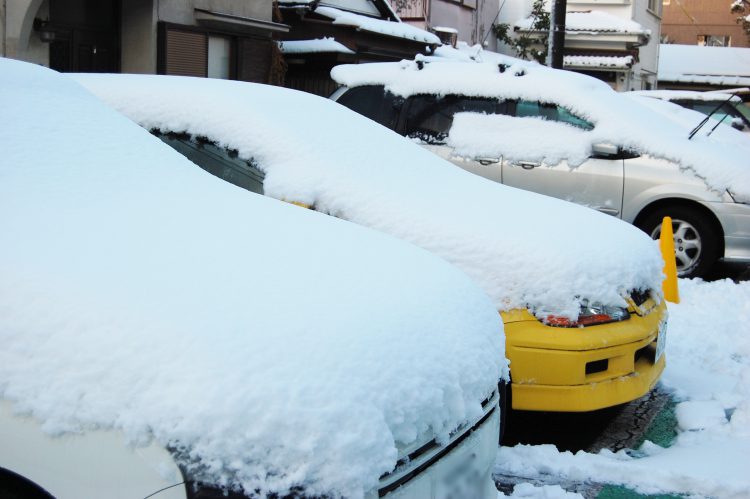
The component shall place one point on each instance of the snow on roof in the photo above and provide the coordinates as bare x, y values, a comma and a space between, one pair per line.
672, 95
592, 21
699, 64
389, 28
321, 45
617, 119
320, 153
140, 293
598, 61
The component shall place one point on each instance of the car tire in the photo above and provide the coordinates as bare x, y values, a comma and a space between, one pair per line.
695, 235
13, 486
503, 389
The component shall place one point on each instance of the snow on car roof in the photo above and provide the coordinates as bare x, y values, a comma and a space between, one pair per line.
523, 249
698, 64
277, 346
618, 120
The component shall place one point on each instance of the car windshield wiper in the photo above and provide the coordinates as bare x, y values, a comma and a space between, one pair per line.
705, 120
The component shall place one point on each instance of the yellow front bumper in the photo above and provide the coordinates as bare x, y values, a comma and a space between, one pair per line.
582, 369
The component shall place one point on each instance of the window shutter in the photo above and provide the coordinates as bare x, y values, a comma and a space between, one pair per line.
254, 60
186, 53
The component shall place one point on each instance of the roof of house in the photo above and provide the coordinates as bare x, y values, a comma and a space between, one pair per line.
698, 64
598, 61
318, 46
592, 22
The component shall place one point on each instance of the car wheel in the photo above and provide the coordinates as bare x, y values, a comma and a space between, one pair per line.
14, 486
696, 242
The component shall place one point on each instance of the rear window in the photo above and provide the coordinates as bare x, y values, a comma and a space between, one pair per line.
373, 102
550, 112
430, 117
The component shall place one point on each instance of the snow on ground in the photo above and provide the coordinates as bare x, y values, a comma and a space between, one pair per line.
708, 371
320, 153
279, 346
618, 120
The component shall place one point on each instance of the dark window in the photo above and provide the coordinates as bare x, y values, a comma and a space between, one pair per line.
551, 112
373, 102
430, 117
217, 160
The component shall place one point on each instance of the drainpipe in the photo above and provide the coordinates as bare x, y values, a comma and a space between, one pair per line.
557, 34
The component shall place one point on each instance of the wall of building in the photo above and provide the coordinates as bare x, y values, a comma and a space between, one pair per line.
685, 20
18, 38
644, 73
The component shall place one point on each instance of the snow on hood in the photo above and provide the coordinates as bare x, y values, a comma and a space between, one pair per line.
523, 249
618, 120
140, 293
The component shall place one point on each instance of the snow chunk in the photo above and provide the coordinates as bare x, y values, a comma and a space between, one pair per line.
319, 45
320, 153
276, 346
474, 135
699, 415
618, 119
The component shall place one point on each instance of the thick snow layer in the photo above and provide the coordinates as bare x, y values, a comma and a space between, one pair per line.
475, 135
698, 64
390, 28
279, 346
598, 61
592, 21
708, 371
319, 45
618, 120
672, 95
318, 152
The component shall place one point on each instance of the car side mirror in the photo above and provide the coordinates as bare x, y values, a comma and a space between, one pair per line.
603, 149
738, 124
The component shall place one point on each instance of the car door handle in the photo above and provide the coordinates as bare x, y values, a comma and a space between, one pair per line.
487, 161
526, 165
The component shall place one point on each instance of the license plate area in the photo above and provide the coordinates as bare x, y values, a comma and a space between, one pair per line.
661, 339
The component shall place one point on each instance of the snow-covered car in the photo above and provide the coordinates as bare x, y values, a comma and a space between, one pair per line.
725, 106
165, 333
580, 292
572, 137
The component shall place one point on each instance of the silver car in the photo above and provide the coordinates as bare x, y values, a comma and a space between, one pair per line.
638, 188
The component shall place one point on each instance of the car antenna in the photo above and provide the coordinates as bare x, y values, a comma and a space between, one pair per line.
705, 120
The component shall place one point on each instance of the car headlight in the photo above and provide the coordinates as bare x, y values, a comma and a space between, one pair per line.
590, 314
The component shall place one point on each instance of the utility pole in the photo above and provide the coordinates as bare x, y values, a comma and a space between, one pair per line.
557, 34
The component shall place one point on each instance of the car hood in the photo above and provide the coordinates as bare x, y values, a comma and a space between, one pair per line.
275, 347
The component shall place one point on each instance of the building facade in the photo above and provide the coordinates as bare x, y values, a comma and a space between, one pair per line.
211, 38
468, 21
702, 22
616, 41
